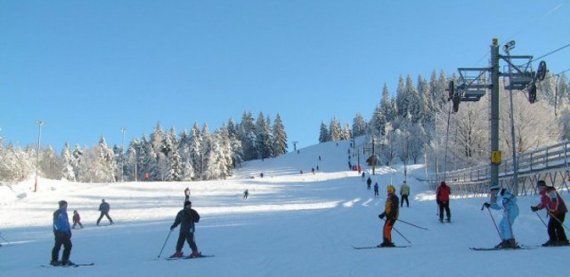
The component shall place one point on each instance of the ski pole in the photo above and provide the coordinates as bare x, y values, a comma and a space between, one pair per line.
394, 228
540, 217
401, 235
556, 218
494, 223
168, 236
423, 228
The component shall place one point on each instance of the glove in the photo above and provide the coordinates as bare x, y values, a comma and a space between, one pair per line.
172, 227
486, 205
382, 215
534, 208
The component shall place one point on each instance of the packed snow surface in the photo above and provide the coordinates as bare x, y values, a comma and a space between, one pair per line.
292, 224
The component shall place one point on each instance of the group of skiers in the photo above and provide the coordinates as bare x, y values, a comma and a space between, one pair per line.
501, 198
550, 199
62, 231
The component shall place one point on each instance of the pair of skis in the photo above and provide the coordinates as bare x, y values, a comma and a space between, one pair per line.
73, 265
189, 257
377, 247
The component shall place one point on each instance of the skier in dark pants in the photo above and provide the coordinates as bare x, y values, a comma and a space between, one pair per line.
104, 209
62, 234
186, 218
556, 209
76, 220
376, 189
368, 182
442, 196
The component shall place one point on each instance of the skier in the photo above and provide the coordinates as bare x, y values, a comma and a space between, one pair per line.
186, 218
363, 175
376, 189
556, 209
404, 192
368, 182
187, 194
245, 194
391, 214
104, 209
510, 213
442, 197
76, 220
62, 234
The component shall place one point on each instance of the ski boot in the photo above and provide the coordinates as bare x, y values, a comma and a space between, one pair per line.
55, 263
67, 263
177, 254
196, 254
549, 243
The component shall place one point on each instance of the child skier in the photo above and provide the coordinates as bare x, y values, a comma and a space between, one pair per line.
510, 213
391, 214
76, 220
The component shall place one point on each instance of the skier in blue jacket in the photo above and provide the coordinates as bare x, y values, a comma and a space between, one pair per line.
510, 212
62, 234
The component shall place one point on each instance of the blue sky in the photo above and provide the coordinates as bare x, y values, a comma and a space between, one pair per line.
89, 68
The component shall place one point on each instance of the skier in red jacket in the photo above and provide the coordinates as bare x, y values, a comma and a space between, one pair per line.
442, 196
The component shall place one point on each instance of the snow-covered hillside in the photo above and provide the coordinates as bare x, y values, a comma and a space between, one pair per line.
292, 224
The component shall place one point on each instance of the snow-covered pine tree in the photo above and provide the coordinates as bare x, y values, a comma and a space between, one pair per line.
335, 130
196, 146
263, 139
324, 134
247, 136
67, 171
358, 125
279, 137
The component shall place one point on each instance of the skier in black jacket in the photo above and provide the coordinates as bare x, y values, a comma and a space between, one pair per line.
186, 218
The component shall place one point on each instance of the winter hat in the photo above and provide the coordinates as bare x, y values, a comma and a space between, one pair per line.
443, 183
541, 183
390, 189
62, 203
186, 203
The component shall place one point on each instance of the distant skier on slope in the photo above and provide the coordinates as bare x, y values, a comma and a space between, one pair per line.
510, 213
104, 208
404, 193
391, 213
376, 189
76, 220
368, 182
186, 219
442, 197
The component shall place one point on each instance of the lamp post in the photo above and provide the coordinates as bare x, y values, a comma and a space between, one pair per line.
123, 130
40, 124
507, 48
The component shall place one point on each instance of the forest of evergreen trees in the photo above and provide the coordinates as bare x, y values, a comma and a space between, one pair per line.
410, 125
162, 156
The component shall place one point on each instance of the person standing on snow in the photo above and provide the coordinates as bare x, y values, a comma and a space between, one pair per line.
104, 209
187, 194
186, 219
557, 209
76, 220
376, 189
510, 213
62, 234
368, 182
404, 192
442, 197
391, 214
